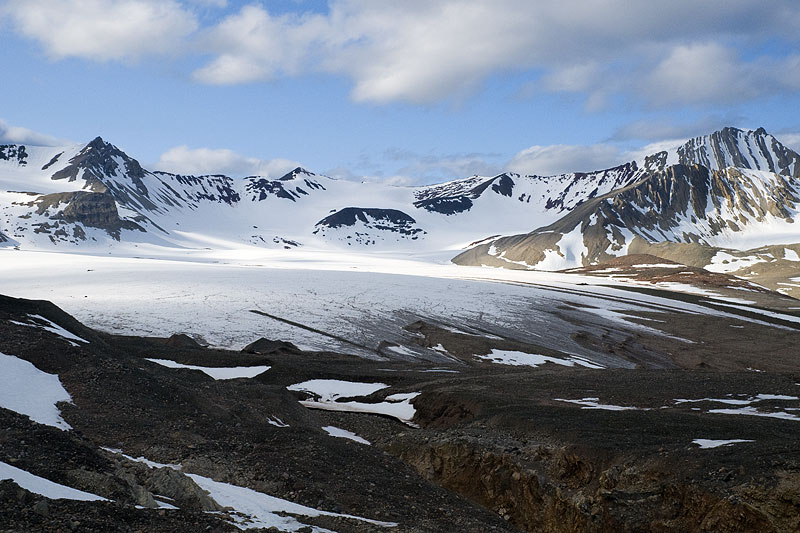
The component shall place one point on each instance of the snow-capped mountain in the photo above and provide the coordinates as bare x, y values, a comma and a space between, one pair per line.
98, 195
732, 189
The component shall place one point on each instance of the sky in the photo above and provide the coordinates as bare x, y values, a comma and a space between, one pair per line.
411, 92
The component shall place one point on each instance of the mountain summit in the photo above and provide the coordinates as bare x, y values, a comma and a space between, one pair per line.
733, 188
731, 147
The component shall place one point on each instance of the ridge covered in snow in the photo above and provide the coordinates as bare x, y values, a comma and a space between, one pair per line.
725, 189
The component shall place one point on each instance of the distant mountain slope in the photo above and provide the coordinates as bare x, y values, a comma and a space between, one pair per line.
701, 200
98, 195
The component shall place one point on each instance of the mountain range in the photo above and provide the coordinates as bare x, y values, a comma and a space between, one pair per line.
727, 201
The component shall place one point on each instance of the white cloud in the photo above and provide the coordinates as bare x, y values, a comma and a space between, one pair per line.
791, 140
421, 51
658, 53
431, 167
197, 161
657, 129
257, 46
17, 135
639, 154
210, 3
700, 73
103, 30
563, 158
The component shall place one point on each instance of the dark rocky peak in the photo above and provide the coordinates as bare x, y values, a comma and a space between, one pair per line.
298, 172
501, 184
100, 162
456, 196
15, 153
734, 147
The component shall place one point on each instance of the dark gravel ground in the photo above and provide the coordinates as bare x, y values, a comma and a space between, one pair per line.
497, 448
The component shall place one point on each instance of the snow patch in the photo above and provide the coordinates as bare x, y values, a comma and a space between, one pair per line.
29, 391
216, 372
258, 510
715, 443
593, 403
328, 391
514, 358
45, 487
277, 422
333, 431
723, 262
752, 411
52, 327
143, 460
253, 509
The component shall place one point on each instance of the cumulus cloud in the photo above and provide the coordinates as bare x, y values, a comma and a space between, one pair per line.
436, 167
700, 73
103, 30
254, 45
18, 135
656, 129
655, 53
197, 161
422, 51
789, 139
563, 158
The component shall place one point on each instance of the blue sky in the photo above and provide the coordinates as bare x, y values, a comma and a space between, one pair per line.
409, 92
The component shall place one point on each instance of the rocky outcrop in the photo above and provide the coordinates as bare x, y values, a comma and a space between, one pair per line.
90, 209
368, 226
15, 153
266, 346
732, 147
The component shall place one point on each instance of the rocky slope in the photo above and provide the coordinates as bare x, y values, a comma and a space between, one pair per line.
484, 446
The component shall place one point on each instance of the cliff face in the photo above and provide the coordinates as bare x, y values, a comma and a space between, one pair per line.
91, 209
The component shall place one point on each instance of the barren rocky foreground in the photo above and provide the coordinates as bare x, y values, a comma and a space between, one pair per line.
700, 436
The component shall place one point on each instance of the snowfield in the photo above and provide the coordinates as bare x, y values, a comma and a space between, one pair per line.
325, 300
